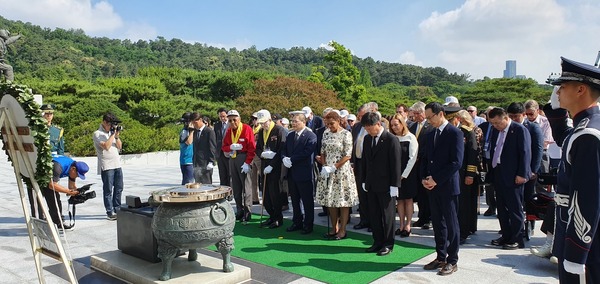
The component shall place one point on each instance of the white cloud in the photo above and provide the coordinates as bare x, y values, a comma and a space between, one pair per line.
91, 17
409, 57
478, 37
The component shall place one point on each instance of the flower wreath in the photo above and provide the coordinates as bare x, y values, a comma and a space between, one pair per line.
39, 131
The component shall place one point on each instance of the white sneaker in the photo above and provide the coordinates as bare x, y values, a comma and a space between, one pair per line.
554, 259
543, 251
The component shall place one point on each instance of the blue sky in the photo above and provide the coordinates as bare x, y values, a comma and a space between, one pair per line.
464, 36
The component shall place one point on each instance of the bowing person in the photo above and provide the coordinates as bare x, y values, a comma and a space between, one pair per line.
336, 187
410, 148
381, 174
440, 176
271, 138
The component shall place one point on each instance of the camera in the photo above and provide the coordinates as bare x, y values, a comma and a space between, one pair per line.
114, 126
83, 195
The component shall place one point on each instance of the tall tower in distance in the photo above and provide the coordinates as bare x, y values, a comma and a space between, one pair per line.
511, 69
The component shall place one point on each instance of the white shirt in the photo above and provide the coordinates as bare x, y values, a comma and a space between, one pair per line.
546, 130
107, 159
413, 149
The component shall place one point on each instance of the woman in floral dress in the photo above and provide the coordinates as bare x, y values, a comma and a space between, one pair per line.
336, 187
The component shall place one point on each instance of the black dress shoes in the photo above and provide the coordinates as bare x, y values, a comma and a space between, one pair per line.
405, 233
373, 249
418, 223
322, 214
360, 226
306, 230
294, 227
498, 242
426, 226
384, 251
267, 222
275, 224
510, 246
490, 212
448, 269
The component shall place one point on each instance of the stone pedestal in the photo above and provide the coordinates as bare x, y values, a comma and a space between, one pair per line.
205, 269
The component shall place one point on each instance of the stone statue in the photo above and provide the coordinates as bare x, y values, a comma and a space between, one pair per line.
5, 40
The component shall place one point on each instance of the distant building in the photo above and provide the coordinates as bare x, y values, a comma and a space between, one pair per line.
511, 69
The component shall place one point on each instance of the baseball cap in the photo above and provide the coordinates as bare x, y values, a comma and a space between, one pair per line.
307, 110
351, 117
233, 112
82, 169
450, 99
262, 116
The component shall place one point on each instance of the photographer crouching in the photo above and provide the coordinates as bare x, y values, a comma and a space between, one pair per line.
108, 144
62, 167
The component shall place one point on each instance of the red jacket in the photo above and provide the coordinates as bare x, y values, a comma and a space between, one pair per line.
246, 140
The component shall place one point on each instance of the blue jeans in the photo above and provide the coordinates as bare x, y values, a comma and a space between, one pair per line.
112, 188
187, 172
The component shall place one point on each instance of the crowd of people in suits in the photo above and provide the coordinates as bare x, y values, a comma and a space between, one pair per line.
439, 156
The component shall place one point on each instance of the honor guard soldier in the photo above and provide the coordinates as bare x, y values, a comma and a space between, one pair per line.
57, 141
577, 234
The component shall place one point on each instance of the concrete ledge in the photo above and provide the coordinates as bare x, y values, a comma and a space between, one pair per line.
130, 269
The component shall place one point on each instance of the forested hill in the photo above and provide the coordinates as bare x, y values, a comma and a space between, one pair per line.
60, 54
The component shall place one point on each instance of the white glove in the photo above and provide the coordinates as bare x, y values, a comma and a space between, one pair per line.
209, 166
574, 268
267, 155
287, 162
329, 169
364, 187
324, 173
245, 168
393, 191
554, 98
268, 170
227, 154
235, 147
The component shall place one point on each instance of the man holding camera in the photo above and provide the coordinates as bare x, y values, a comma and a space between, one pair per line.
108, 145
62, 167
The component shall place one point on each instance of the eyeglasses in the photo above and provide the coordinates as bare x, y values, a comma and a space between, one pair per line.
430, 117
470, 110
529, 114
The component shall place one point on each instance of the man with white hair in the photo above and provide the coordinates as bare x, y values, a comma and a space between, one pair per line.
313, 122
472, 110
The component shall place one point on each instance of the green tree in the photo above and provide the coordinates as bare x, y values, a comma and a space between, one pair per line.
345, 76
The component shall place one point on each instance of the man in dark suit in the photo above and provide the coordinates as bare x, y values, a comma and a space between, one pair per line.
440, 176
511, 166
269, 143
312, 121
298, 157
516, 112
222, 161
420, 128
381, 177
358, 135
205, 147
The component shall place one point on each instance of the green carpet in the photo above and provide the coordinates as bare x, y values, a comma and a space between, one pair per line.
315, 257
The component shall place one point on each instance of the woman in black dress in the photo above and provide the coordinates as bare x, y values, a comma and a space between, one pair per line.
408, 189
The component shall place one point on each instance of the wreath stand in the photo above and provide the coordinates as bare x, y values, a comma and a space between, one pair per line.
43, 236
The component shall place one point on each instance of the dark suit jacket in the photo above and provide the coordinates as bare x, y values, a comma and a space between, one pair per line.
301, 154
205, 147
275, 142
315, 123
537, 144
516, 154
443, 159
382, 164
219, 136
422, 136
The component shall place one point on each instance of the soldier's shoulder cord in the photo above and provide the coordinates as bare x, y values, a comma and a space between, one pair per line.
581, 129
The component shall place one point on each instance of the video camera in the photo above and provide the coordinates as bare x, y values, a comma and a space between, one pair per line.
114, 126
83, 195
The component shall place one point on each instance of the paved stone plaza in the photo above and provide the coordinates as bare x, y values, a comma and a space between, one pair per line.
93, 235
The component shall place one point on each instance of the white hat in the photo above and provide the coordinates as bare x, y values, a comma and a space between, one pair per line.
233, 112
351, 117
343, 113
295, 112
450, 99
263, 116
307, 110
285, 121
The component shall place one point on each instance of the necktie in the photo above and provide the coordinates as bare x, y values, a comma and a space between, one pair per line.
498, 151
374, 142
296, 139
223, 129
419, 127
438, 132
